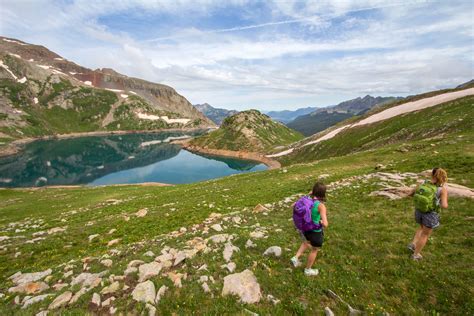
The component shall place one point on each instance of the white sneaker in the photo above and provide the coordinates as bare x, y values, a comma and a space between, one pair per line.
311, 272
296, 263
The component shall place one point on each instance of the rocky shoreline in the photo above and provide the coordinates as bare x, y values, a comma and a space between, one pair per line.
15, 146
270, 163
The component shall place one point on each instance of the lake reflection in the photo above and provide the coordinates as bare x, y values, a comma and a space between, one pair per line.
99, 160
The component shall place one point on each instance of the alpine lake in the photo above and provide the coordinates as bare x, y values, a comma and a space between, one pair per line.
115, 159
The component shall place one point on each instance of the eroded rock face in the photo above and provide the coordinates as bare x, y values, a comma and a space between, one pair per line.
144, 292
244, 285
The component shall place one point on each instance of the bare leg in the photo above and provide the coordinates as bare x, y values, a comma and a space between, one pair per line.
425, 234
304, 246
417, 235
312, 258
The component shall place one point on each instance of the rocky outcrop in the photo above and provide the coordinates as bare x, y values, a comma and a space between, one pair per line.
244, 285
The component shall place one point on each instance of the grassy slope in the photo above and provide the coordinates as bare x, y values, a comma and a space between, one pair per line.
452, 117
230, 135
364, 258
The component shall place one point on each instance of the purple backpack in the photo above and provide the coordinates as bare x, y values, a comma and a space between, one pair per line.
302, 214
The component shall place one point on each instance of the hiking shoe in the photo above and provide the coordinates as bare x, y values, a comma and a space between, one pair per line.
411, 247
417, 257
311, 272
296, 263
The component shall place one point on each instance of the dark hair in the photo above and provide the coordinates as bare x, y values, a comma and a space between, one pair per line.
319, 191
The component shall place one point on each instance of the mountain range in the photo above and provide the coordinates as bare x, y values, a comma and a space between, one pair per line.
216, 115
41, 93
287, 116
322, 118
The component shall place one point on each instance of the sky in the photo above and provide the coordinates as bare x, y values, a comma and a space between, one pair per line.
268, 55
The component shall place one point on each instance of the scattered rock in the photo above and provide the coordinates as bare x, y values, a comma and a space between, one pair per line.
220, 238
107, 263
135, 263
257, 234
108, 301
217, 227
42, 313
205, 287
34, 299
92, 237
328, 311
176, 278
78, 295
260, 208
237, 220
87, 279
203, 267
142, 212
180, 257
272, 299
250, 244
144, 292
112, 288
113, 242
160, 293
244, 285
61, 300
149, 254
113, 230
228, 251
130, 270
56, 230
60, 286
20, 278
231, 266
274, 250
151, 309
29, 288
96, 299
148, 270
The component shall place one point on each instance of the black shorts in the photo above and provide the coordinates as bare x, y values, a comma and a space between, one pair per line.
315, 238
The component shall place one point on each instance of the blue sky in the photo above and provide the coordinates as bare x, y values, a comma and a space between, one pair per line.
267, 55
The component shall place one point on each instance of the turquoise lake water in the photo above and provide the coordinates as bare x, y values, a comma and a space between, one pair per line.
117, 159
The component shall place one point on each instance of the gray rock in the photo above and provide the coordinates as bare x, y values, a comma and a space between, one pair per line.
148, 270
61, 300
328, 311
244, 285
144, 292
274, 250
96, 299
112, 288
34, 299
29, 288
250, 244
160, 293
228, 251
78, 295
20, 278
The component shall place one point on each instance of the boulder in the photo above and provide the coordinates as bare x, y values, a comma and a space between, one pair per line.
78, 295
144, 292
61, 300
160, 293
87, 279
273, 251
34, 299
29, 288
112, 288
244, 285
228, 251
95, 299
142, 212
217, 227
20, 278
148, 270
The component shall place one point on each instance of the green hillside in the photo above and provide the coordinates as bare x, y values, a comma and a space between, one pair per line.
248, 131
432, 123
313, 123
364, 259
